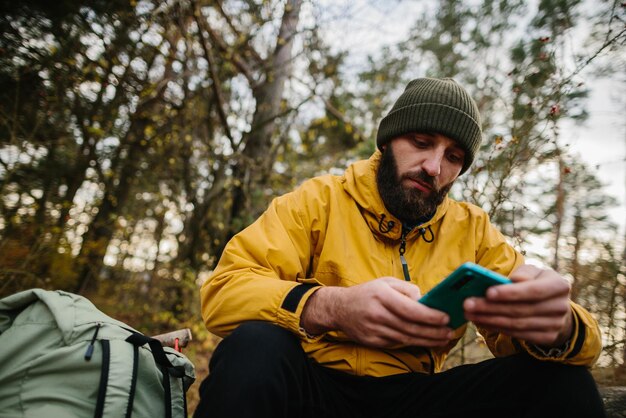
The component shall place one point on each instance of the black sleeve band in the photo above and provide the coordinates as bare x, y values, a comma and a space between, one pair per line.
294, 296
580, 339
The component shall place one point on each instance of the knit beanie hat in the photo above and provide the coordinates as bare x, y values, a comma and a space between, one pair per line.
435, 106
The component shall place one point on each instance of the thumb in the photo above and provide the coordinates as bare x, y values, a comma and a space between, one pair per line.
406, 288
524, 273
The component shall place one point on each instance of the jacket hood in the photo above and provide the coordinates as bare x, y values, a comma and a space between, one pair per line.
359, 181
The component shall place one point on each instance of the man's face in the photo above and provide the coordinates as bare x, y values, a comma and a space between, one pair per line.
416, 173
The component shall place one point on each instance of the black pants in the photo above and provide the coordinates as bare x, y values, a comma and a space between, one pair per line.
260, 370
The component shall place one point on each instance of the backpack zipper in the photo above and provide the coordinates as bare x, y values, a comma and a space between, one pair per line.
89, 352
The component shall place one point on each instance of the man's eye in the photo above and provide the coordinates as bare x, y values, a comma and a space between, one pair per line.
421, 144
455, 158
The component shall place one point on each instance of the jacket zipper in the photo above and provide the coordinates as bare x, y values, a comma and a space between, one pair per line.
407, 277
405, 265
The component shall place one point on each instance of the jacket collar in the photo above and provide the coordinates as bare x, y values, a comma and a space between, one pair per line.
359, 181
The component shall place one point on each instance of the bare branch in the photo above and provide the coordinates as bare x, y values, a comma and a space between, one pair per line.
588, 61
236, 59
332, 109
613, 16
237, 32
5, 165
216, 84
341, 116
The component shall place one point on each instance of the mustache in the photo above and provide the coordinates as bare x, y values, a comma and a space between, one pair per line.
421, 176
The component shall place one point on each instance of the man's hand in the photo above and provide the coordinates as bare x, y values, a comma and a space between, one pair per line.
535, 308
381, 313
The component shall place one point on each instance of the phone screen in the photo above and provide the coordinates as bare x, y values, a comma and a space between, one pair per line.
468, 280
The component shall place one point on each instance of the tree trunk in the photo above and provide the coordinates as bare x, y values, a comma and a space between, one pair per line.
158, 236
578, 226
96, 239
254, 165
623, 270
196, 224
46, 189
559, 212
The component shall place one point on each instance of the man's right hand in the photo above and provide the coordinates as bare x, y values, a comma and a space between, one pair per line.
382, 313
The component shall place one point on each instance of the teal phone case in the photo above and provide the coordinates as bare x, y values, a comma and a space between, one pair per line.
468, 280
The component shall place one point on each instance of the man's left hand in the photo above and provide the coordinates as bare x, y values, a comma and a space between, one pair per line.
535, 308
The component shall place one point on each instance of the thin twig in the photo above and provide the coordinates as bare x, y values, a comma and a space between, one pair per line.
236, 58
237, 32
216, 84
593, 57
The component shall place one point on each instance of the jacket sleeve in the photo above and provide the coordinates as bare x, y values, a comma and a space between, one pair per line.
586, 343
261, 274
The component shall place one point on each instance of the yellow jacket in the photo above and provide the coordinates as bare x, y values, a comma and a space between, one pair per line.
335, 231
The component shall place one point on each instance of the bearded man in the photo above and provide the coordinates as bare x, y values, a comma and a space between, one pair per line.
318, 299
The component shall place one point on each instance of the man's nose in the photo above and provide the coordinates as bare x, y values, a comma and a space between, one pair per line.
432, 164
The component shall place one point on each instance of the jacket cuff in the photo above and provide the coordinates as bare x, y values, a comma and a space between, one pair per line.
564, 352
290, 310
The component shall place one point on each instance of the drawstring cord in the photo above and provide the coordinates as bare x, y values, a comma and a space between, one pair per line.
385, 228
427, 233
422, 233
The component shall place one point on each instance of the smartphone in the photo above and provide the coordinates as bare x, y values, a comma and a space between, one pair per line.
468, 280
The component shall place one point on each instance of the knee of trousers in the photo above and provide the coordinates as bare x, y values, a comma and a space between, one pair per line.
573, 386
563, 375
257, 345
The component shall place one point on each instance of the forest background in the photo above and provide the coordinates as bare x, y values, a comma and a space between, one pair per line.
138, 136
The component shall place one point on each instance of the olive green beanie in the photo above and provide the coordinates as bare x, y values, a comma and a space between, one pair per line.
435, 106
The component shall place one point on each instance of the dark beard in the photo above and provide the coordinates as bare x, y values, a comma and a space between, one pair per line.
408, 205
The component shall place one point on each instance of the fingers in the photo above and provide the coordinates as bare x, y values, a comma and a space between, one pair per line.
388, 332
535, 308
402, 302
549, 307
537, 327
525, 324
531, 285
385, 313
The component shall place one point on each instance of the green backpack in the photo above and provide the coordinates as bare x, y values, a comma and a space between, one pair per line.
61, 357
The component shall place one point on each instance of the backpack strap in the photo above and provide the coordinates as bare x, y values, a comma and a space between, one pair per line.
104, 377
133, 382
167, 395
164, 363
117, 388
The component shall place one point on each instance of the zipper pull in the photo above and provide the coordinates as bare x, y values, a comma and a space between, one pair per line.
405, 268
405, 265
89, 352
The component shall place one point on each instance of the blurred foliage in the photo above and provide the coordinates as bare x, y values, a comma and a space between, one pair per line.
136, 137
